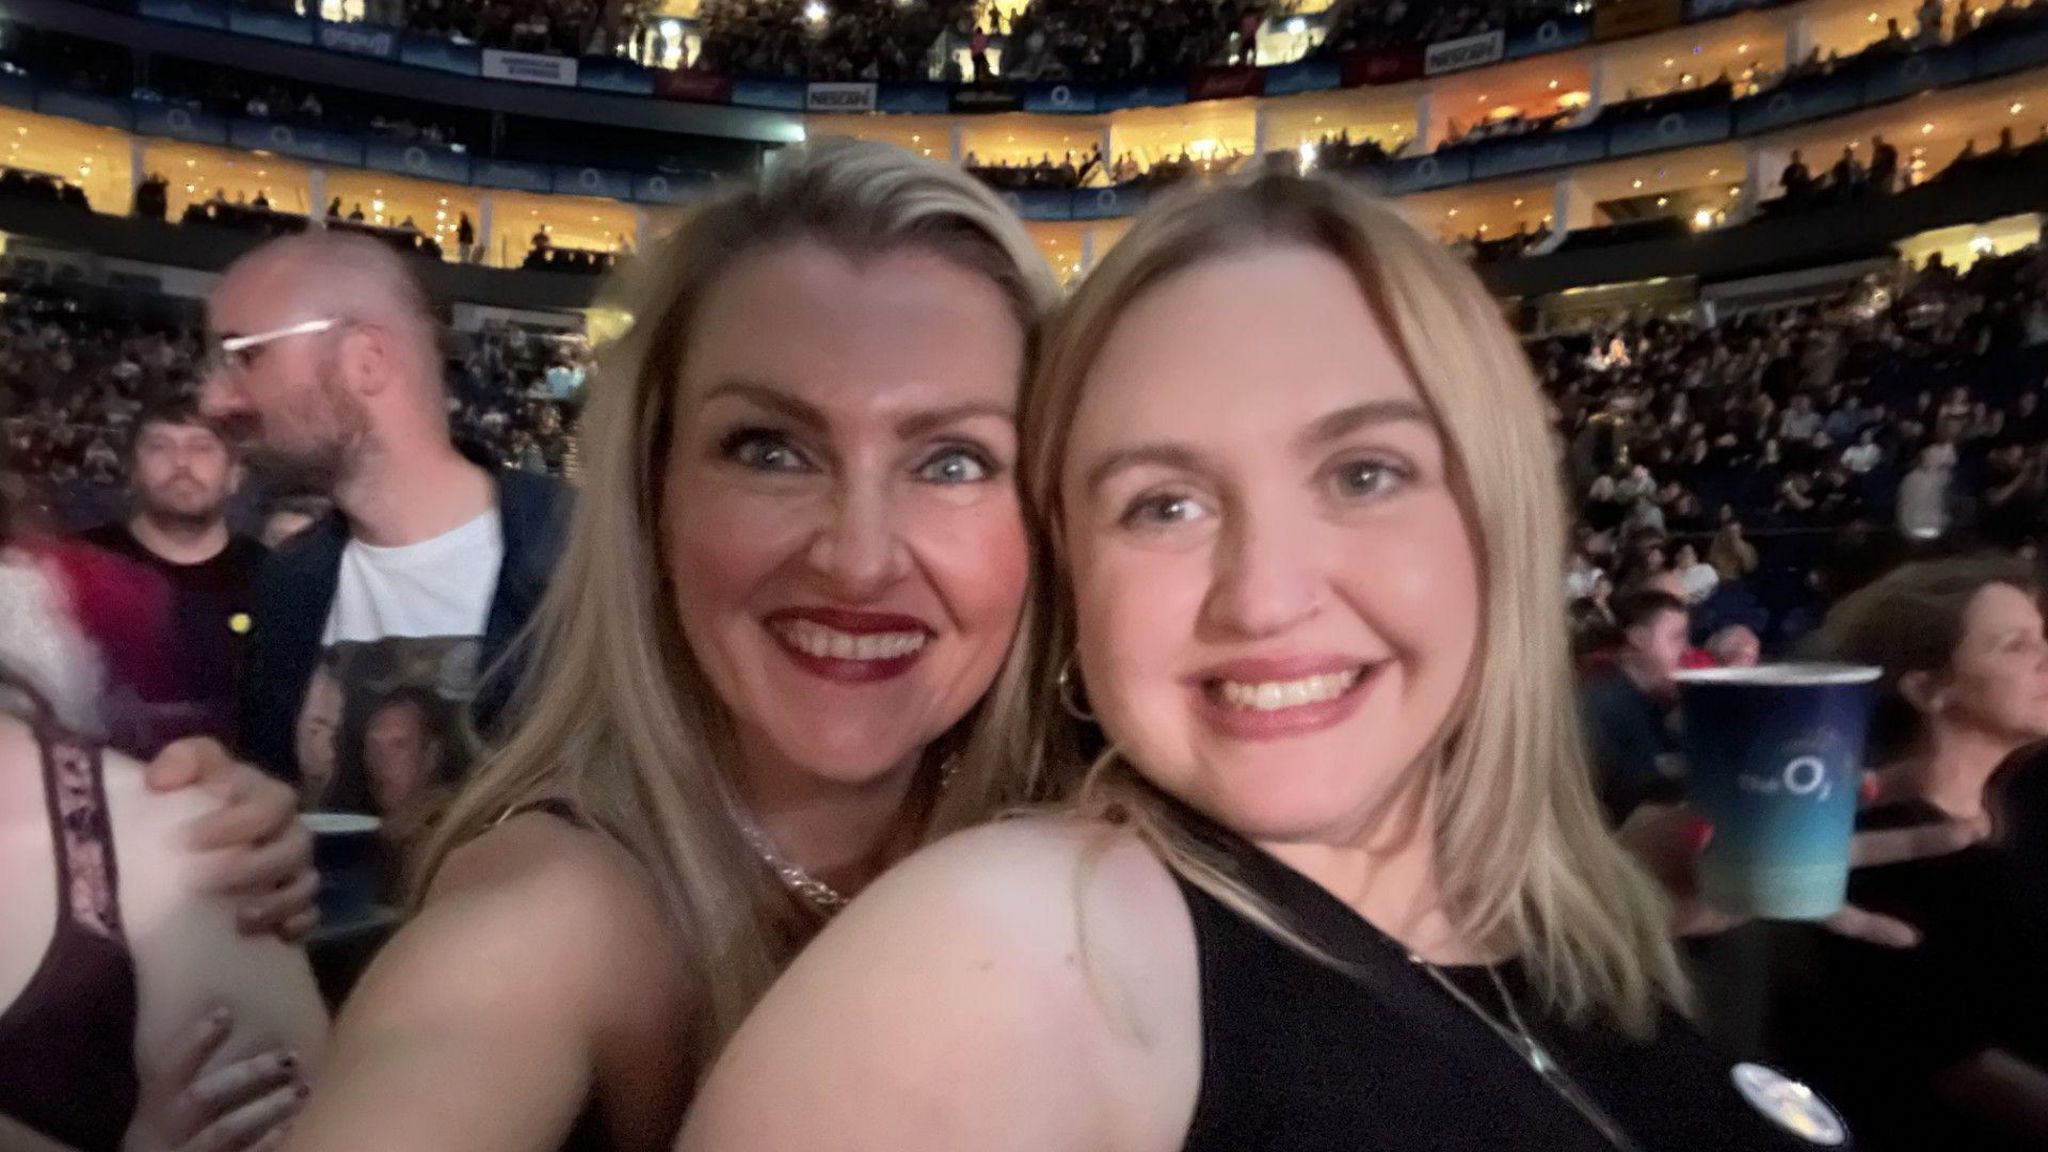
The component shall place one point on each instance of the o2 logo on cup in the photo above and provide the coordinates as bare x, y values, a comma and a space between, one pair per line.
1803, 771
1806, 776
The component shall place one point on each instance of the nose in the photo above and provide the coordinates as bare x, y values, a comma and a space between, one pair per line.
857, 550
1268, 573
218, 396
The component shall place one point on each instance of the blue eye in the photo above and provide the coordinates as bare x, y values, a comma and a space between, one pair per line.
1161, 510
1361, 479
956, 466
762, 452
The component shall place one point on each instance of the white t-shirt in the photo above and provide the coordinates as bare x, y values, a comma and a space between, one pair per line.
384, 722
437, 587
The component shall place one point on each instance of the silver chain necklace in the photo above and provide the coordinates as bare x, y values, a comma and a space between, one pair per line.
1533, 1053
815, 892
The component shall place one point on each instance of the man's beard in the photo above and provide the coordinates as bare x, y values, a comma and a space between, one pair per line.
188, 516
324, 460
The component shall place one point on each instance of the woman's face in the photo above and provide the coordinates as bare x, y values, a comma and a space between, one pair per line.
841, 526
1998, 678
1277, 598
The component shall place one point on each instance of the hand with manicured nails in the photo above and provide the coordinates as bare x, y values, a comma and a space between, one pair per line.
246, 1106
261, 856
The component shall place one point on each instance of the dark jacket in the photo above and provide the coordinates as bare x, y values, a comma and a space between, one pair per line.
1629, 736
296, 591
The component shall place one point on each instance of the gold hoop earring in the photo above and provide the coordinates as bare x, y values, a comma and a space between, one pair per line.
1077, 708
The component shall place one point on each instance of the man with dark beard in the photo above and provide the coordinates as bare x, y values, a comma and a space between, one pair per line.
327, 367
183, 474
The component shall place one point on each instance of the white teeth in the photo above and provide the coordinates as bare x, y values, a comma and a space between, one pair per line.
1272, 696
814, 639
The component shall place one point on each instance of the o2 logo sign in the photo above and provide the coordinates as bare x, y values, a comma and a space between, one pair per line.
1806, 776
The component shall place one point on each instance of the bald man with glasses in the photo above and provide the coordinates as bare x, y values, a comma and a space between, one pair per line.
325, 369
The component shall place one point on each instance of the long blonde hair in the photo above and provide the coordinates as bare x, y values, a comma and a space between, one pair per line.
1524, 858
618, 719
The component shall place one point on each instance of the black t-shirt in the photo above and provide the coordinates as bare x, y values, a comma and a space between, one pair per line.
1874, 1026
211, 606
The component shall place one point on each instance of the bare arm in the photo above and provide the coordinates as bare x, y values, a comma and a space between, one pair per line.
530, 976
952, 1007
190, 958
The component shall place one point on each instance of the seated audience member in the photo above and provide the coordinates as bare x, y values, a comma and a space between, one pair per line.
1731, 555
1697, 578
1628, 709
1944, 1045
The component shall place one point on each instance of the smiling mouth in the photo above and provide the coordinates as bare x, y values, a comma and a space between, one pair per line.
1279, 695
820, 642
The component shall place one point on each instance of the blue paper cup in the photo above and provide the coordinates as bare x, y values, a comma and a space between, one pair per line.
1774, 758
346, 848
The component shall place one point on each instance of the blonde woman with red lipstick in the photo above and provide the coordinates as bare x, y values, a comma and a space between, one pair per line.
782, 650
1340, 882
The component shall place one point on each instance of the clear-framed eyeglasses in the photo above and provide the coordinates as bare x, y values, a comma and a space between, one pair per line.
235, 354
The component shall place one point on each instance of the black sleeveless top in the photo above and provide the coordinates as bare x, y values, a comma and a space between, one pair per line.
67, 1043
1298, 1056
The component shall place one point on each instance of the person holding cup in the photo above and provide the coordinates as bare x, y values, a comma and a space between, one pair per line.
1340, 880
1944, 1045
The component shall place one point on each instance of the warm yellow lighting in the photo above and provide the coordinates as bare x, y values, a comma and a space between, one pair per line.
1703, 219
1927, 129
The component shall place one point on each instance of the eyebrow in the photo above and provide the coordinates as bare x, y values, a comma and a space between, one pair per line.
1344, 422
766, 397
918, 424
1334, 426
910, 427
1179, 457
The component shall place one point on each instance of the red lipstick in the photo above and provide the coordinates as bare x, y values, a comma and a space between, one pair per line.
816, 640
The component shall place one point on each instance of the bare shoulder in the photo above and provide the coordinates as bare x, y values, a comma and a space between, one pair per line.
537, 854
540, 888
536, 976
17, 741
1026, 984
1049, 876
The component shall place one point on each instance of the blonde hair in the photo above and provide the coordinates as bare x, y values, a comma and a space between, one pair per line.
618, 719
1524, 857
